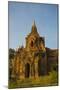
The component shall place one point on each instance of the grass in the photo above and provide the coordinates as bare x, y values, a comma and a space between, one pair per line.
48, 80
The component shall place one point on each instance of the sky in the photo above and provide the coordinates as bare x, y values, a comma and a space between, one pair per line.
21, 16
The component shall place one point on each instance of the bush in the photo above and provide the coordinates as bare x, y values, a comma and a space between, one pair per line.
48, 80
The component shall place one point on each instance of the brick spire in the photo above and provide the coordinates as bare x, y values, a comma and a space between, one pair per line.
34, 28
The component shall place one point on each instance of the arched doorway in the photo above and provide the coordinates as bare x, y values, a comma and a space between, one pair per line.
27, 70
39, 68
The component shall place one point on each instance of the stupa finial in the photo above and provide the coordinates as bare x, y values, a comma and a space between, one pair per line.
34, 28
33, 22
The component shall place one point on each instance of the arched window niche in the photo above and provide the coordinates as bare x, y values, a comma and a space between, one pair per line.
32, 43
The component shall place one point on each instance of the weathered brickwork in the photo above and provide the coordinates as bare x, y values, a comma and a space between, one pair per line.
30, 61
